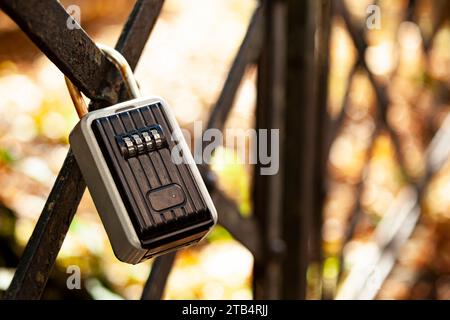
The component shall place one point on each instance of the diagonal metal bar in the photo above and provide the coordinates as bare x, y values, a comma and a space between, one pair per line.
358, 38
357, 35
43, 247
336, 123
355, 286
247, 54
357, 211
70, 49
243, 229
442, 9
388, 239
45, 242
156, 282
140, 24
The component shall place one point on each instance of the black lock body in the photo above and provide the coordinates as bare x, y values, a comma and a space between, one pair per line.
161, 197
165, 199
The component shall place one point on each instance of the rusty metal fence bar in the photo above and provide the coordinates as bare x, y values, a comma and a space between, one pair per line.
84, 64
76, 55
283, 232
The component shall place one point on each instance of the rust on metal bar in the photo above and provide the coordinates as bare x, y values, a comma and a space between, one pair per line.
43, 247
70, 49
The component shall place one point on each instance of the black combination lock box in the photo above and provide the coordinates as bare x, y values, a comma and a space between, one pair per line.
149, 202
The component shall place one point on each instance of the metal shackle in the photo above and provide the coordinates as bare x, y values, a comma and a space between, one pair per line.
125, 70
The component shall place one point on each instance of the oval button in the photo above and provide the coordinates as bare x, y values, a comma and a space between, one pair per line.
166, 197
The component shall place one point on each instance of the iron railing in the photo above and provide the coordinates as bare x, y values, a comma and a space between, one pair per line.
283, 233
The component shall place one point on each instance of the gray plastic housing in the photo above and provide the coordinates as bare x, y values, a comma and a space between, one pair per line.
107, 199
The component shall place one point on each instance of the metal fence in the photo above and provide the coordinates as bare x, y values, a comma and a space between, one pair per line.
288, 41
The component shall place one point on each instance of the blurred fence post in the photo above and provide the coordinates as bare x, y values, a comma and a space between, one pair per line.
267, 191
322, 148
284, 203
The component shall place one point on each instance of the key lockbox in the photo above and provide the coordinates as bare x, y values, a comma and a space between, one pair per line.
148, 203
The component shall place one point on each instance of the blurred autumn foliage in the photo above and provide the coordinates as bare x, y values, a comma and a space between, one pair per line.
186, 61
